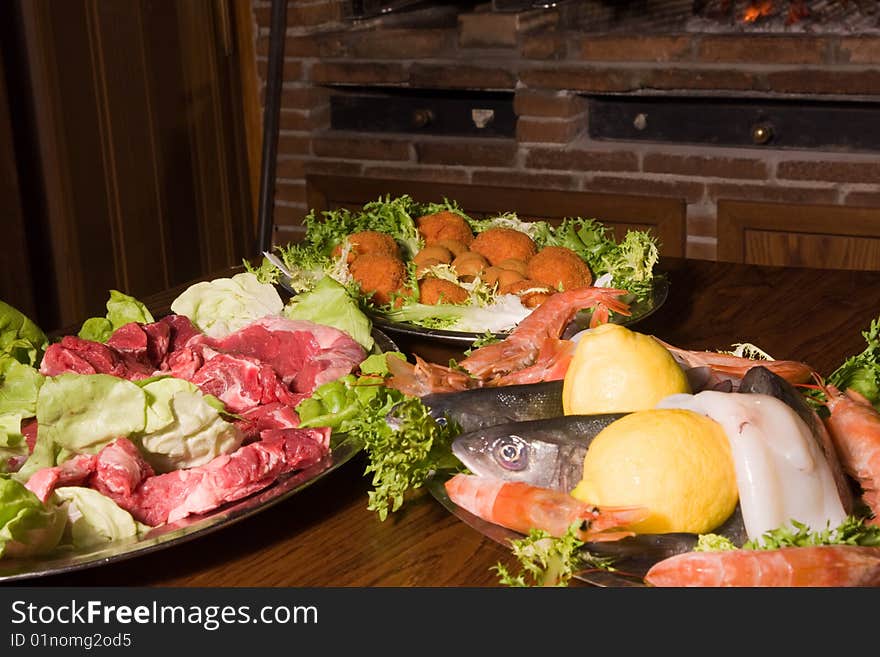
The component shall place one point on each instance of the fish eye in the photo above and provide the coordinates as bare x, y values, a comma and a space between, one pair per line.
511, 452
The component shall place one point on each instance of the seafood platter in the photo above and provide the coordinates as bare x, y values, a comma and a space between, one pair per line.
595, 452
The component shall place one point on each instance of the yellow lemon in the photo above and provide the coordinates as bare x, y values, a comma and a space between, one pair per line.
675, 462
615, 370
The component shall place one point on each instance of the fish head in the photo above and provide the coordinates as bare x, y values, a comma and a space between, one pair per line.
508, 455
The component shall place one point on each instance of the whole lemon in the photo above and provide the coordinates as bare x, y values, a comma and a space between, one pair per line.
616, 370
675, 462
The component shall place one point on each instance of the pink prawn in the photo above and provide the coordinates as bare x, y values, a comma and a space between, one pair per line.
854, 426
529, 339
824, 565
522, 507
727, 367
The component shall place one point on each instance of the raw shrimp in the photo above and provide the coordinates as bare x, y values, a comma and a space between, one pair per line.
724, 368
522, 507
854, 425
532, 352
825, 565
526, 342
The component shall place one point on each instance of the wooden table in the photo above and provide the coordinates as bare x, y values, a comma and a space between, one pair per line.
325, 536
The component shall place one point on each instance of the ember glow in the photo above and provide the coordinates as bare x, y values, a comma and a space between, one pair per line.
757, 9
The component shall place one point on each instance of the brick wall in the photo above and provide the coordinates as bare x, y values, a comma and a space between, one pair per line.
549, 68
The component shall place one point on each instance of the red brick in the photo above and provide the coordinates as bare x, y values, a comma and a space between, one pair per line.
704, 166
864, 171
289, 215
859, 50
313, 14
404, 44
701, 79
562, 105
293, 144
290, 168
486, 29
298, 120
358, 146
304, 98
544, 46
358, 73
768, 192
701, 225
548, 130
764, 49
292, 70
701, 249
818, 81
419, 172
650, 48
294, 46
334, 168
583, 78
862, 199
524, 179
290, 192
458, 76
692, 192
581, 160
468, 152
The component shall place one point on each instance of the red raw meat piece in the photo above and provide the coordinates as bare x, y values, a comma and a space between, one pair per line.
174, 495
73, 472
119, 469
275, 415
74, 354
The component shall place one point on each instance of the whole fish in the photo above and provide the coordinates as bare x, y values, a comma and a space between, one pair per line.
485, 407
548, 453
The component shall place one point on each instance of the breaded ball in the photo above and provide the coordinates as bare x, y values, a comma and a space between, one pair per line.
515, 265
368, 241
456, 248
560, 268
444, 225
378, 275
498, 244
438, 290
531, 293
469, 265
434, 252
495, 275
425, 265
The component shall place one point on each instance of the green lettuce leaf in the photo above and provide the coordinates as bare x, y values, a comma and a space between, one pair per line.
329, 303
19, 387
27, 527
122, 309
93, 519
20, 337
13, 445
224, 305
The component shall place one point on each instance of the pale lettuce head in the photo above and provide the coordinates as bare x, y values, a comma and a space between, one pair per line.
93, 519
224, 305
19, 387
12, 442
183, 428
27, 527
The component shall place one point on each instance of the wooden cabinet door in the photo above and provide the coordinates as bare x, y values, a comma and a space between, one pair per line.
823, 236
140, 137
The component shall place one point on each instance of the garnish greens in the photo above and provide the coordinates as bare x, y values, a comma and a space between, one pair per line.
862, 371
852, 531
403, 442
549, 561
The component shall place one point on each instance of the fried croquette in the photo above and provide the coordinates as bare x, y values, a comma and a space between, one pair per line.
378, 275
498, 244
469, 265
438, 290
560, 268
433, 252
456, 248
444, 225
515, 265
531, 293
368, 241
495, 275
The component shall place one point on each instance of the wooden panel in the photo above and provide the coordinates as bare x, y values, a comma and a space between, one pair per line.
142, 145
824, 236
665, 217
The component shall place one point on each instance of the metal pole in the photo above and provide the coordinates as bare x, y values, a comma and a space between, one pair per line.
271, 108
